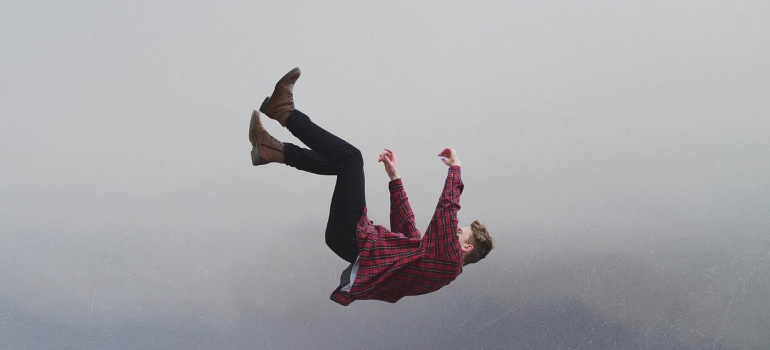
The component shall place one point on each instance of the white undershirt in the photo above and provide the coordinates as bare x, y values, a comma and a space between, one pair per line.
353, 273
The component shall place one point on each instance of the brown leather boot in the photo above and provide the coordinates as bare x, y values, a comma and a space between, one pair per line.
265, 148
281, 103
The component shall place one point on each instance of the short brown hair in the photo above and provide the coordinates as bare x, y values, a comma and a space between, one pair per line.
481, 241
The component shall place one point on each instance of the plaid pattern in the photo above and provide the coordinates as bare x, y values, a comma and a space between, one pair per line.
396, 263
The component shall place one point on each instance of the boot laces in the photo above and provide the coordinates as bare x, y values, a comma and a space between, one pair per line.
275, 141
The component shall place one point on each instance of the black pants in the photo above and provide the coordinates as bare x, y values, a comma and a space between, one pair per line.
331, 155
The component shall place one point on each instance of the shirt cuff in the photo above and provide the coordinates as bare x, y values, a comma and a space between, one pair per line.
454, 169
395, 184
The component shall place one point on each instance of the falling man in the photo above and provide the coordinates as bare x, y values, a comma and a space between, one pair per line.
385, 264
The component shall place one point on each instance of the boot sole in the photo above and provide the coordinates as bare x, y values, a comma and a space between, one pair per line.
252, 131
253, 139
255, 156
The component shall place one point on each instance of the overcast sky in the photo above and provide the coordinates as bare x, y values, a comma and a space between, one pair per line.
618, 151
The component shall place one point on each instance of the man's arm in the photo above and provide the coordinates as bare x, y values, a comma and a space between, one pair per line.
401, 215
441, 235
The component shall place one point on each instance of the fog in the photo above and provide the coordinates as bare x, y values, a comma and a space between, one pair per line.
616, 150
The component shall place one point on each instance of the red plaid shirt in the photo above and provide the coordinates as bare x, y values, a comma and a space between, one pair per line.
397, 263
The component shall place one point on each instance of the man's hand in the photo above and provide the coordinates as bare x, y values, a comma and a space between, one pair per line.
449, 157
389, 160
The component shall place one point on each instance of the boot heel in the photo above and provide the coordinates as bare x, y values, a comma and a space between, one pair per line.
255, 156
263, 107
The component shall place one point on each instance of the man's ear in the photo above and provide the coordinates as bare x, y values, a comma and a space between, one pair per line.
467, 248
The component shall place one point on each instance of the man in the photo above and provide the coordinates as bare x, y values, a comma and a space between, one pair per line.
384, 264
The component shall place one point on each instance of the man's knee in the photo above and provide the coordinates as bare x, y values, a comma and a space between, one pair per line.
353, 158
348, 251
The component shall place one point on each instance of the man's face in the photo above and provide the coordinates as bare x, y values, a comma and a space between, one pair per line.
464, 234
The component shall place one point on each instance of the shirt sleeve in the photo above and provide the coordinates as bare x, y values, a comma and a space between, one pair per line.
441, 236
401, 215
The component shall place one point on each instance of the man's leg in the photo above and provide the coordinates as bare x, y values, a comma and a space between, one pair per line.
328, 155
267, 149
348, 199
331, 153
